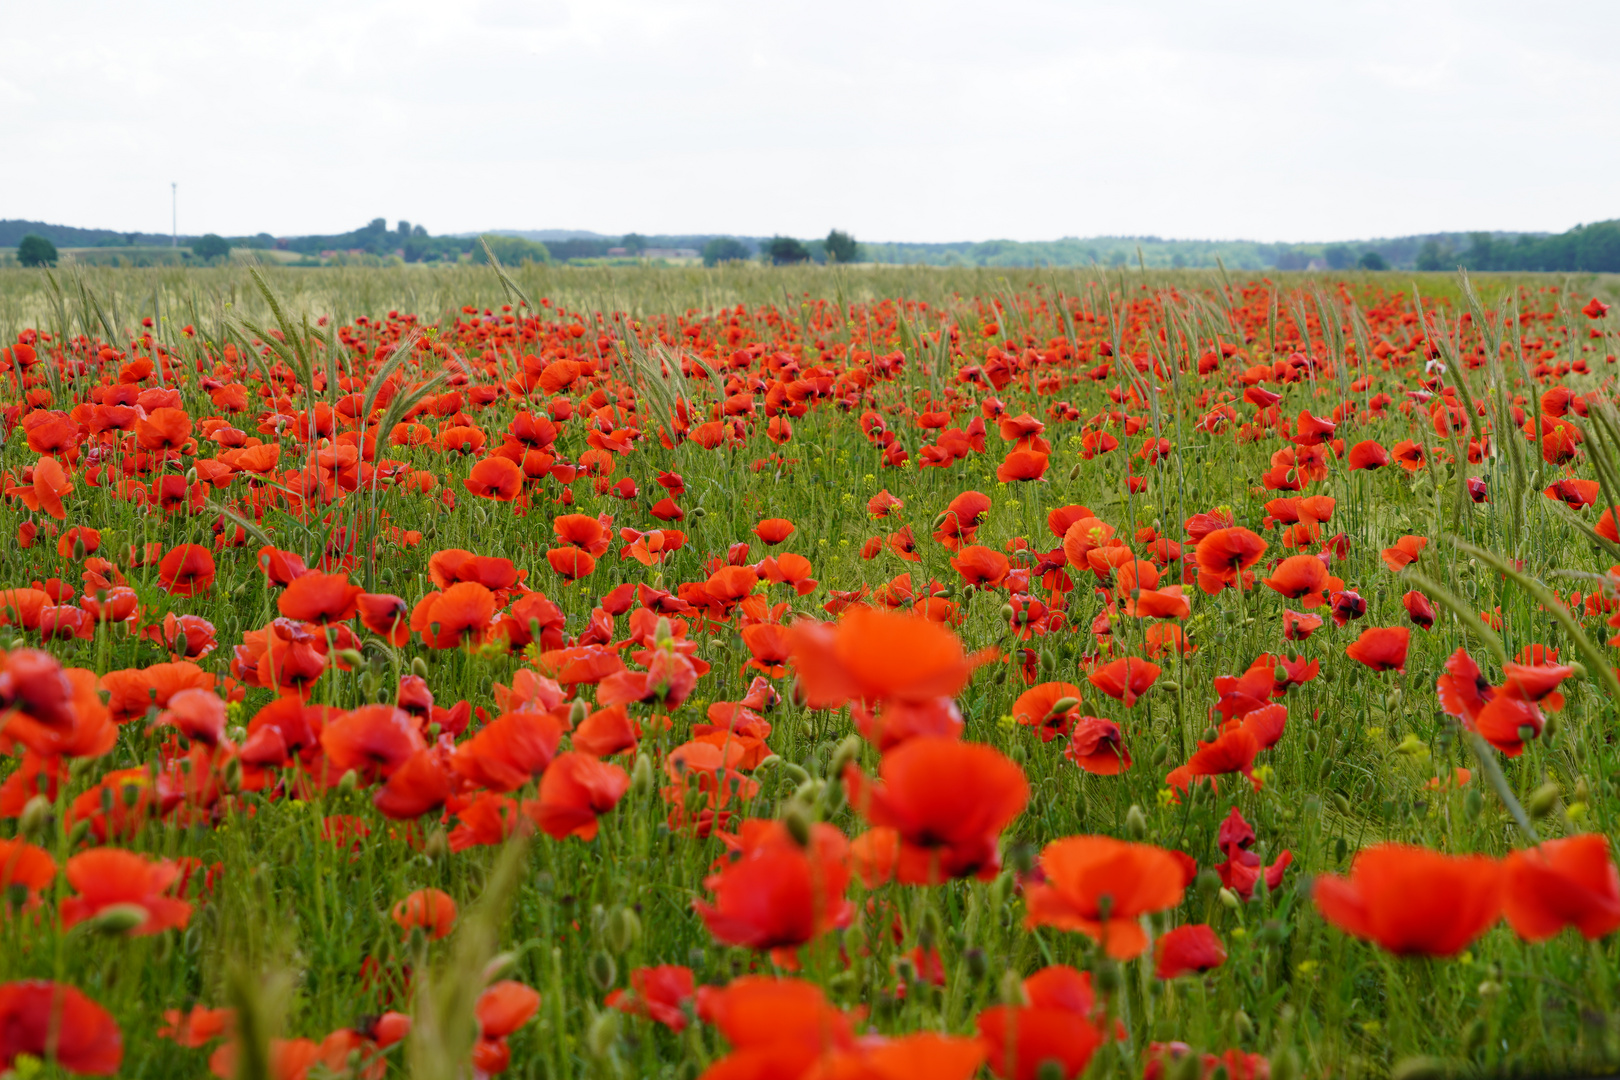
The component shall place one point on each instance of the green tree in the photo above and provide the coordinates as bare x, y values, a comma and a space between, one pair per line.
725, 249
785, 249
634, 243
841, 247
35, 250
211, 246
1371, 260
512, 250
1432, 257
1338, 256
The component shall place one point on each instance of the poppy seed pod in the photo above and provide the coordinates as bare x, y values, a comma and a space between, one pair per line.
602, 970
1542, 800
604, 1030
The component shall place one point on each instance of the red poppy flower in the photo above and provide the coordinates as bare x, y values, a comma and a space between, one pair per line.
1412, 901
1368, 455
1034, 1042
1300, 577
430, 909
1224, 554
1022, 465
1126, 678
872, 655
373, 740
319, 598
461, 612
779, 894
948, 801
1405, 552
575, 792
980, 566
1097, 746
1194, 948
1569, 882
385, 615
496, 478
1101, 887
509, 751
1382, 648
774, 530
187, 570
1051, 708
660, 993
1298, 627
113, 878
55, 1022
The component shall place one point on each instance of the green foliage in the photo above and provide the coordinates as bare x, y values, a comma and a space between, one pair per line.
35, 250
1371, 260
841, 247
512, 250
724, 249
784, 251
211, 246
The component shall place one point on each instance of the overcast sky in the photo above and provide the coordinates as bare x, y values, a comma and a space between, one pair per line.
1017, 119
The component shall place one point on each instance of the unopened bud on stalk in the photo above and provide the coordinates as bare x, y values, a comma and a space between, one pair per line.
1230, 900
1063, 705
1136, 823
603, 1033
641, 776
499, 965
419, 667
844, 756
1542, 800
36, 816
577, 712
351, 657
602, 970
796, 819
437, 845
1012, 988
118, 918
1107, 977
623, 930
349, 782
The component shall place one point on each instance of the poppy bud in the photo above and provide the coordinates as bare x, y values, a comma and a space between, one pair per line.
1577, 669
905, 970
1341, 803
844, 755
1229, 900
1285, 1065
1106, 976
419, 667
118, 918
36, 817
1550, 727
929, 933
1074, 473
1583, 792
436, 846
604, 1030
796, 773
1007, 612
1012, 987
602, 970
577, 712
1473, 803
1542, 800
663, 634
1062, 705
231, 775
641, 776
623, 930
1243, 1025
351, 657
1209, 735
1312, 741
1159, 754
349, 782
1136, 823
796, 819
80, 830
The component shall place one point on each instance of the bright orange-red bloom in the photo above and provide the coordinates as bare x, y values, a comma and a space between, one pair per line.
495, 478
509, 751
947, 800
1051, 708
1224, 554
1126, 678
320, 598
56, 1022
1301, 577
980, 566
1412, 901
187, 570
575, 792
1194, 948
1368, 455
779, 894
1100, 887
1382, 648
872, 655
1405, 552
1569, 882
431, 909
774, 530
114, 878
460, 613
373, 740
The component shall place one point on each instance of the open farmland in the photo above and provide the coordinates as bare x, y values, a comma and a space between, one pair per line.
798, 672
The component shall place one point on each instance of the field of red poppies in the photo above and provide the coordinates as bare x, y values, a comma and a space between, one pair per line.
807, 674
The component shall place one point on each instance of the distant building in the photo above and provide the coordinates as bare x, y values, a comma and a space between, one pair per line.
613, 252
669, 253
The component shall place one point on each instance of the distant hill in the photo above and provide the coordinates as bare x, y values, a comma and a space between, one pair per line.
1594, 247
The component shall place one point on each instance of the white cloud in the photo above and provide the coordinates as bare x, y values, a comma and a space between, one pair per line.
1026, 119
